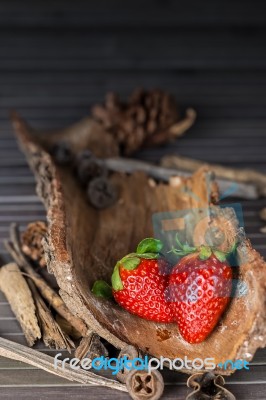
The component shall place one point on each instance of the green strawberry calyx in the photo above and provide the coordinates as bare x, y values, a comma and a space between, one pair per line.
204, 251
148, 248
102, 289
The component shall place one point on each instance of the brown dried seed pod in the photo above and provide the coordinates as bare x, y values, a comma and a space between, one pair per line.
31, 240
101, 193
62, 153
91, 347
208, 386
130, 352
144, 385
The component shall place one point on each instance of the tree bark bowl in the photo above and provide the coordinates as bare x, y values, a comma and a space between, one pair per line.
83, 245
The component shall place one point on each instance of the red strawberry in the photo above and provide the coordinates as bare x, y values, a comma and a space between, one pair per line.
140, 280
199, 287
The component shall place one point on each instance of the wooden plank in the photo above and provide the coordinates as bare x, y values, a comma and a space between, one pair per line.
161, 14
5, 312
32, 377
201, 86
48, 393
178, 392
35, 377
7, 364
243, 392
109, 50
8, 326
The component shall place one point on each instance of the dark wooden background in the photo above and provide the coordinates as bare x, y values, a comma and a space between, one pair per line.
59, 57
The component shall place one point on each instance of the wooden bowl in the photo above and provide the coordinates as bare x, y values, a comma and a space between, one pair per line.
83, 245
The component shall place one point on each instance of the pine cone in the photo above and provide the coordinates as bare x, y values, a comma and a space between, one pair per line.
145, 118
31, 240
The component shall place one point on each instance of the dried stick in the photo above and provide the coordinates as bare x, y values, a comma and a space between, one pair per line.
14, 248
243, 176
243, 190
52, 334
179, 128
24, 354
18, 294
263, 214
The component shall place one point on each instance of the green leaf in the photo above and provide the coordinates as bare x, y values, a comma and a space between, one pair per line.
220, 255
129, 262
184, 248
149, 256
116, 280
149, 245
188, 249
178, 241
178, 252
102, 289
205, 252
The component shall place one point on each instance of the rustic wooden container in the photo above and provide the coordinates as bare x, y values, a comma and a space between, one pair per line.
83, 245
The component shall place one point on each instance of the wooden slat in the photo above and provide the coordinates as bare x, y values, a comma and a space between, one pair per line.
33, 377
161, 14
243, 392
109, 50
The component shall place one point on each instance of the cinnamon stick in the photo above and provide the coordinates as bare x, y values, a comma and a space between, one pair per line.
243, 176
128, 165
18, 294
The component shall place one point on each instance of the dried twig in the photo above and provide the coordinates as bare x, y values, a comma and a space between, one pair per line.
244, 176
244, 190
14, 248
19, 296
263, 229
22, 353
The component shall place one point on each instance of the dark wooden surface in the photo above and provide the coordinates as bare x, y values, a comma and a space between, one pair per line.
58, 57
